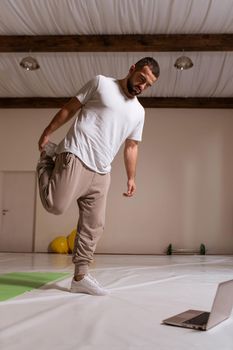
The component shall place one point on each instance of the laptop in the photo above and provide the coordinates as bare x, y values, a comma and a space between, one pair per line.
202, 320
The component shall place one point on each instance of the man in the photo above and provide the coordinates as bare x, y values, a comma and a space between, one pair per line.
108, 115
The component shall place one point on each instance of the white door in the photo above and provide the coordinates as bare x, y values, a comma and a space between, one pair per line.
17, 211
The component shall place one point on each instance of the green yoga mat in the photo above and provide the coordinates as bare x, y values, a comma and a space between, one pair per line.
16, 283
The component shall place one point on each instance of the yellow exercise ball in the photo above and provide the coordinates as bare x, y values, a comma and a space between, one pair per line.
71, 239
59, 245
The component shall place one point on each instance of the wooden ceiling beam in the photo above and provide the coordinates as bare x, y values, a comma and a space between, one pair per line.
147, 102
117, 43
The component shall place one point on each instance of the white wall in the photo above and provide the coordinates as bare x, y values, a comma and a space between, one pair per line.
184, 180
1, 194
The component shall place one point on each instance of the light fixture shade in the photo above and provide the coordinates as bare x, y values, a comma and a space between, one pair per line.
183, 62
29, 63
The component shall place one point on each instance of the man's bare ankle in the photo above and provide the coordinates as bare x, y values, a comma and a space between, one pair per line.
79, 277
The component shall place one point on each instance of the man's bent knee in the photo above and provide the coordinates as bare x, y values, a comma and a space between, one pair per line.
54, 209
58, 211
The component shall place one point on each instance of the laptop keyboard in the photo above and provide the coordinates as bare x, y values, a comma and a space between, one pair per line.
200, 319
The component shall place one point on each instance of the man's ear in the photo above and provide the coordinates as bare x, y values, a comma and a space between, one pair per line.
132, 68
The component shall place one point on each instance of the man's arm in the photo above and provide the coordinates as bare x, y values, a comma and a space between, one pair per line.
130, 157
65, 114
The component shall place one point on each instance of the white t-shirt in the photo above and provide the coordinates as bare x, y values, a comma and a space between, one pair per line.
107, 118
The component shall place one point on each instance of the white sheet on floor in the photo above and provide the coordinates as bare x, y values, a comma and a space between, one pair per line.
144, 291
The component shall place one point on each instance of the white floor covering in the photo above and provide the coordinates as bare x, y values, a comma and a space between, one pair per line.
144, 291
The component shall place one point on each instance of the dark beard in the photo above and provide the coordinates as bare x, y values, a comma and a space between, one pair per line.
131, 89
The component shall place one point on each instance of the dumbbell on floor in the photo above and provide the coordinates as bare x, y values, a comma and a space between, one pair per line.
170, 250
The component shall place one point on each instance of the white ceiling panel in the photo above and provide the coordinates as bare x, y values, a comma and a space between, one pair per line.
62, 74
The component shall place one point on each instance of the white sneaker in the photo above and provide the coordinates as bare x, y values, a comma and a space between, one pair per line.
50, 149
87, 285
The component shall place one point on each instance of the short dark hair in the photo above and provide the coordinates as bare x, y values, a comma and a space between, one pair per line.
151, 63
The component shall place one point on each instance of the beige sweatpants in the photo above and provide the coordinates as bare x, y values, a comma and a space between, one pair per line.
68, 179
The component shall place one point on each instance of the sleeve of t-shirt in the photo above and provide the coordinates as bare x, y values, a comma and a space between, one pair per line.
87, 91
136, 134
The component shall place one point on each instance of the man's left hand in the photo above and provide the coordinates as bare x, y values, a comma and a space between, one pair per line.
131, 188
